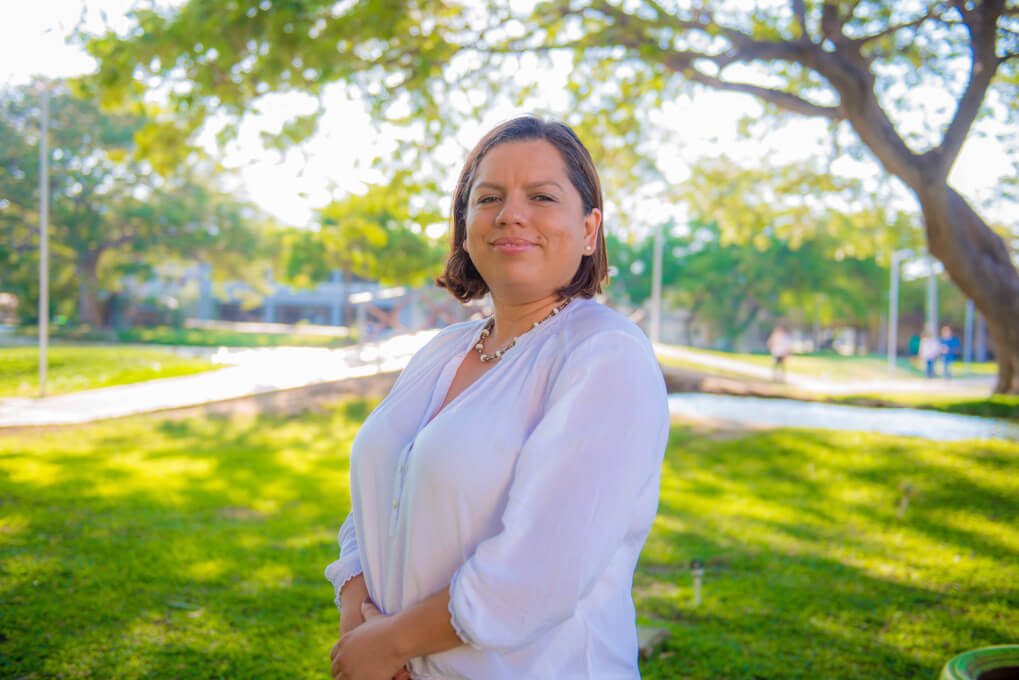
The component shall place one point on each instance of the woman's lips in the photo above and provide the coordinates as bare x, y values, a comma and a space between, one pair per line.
511, 246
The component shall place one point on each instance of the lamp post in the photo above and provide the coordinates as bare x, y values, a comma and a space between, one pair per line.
44, 217
968, 351
656, 287
932, 296
893, 308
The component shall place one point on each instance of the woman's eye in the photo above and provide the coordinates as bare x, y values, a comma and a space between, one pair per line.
544, 197
486, 199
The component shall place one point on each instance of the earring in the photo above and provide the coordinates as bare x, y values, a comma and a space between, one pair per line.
587, 249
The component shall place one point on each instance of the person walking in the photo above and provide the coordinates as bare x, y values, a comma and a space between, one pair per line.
951, 348
780, 345
930, 350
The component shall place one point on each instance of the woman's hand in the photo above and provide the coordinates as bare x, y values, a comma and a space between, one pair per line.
368, 652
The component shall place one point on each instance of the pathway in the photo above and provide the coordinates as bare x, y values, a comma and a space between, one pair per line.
246, 372
978, 386
256, 371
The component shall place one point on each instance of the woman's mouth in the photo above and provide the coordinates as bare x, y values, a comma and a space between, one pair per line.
513, 245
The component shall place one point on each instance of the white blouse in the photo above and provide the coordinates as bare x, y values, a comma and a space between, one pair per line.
530, 494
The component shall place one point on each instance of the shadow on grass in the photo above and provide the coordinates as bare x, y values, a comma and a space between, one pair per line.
149, 546
195, 548
810, 571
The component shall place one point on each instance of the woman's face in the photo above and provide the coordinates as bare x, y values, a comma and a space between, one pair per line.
526, 226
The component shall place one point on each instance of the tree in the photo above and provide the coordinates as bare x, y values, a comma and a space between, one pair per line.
379, 235
849, 62
110, 213
731, 286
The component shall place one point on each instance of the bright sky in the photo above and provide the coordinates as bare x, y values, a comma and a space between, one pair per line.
337, 160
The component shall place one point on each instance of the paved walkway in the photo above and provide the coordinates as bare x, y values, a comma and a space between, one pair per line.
246, 372
977, 386
255, 371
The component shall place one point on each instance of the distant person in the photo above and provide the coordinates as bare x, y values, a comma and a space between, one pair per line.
930, 350
780, 345
950, 349
914, 345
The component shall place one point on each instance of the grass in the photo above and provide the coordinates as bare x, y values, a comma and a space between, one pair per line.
996, 406
199, 337
837, 367
74, 368
150, 548
834, 366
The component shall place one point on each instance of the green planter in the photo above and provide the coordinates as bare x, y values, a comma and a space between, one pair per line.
988, 663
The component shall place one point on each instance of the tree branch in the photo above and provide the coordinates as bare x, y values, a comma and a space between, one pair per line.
982, 25
784, 100
704, 22
800, 11
831, 23
852, 10
916, 23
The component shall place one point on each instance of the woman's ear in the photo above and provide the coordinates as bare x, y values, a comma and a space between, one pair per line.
592, 223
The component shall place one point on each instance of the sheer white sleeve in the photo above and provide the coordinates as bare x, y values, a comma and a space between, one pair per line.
592, 460
349, 564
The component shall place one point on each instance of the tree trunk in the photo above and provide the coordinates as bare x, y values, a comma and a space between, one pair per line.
88, 289
978, 261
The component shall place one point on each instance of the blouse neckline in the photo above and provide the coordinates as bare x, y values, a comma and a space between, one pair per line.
443, 385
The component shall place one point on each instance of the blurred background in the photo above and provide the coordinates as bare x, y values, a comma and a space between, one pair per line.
230, 214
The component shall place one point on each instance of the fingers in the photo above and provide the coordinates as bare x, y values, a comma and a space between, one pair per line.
334, 651
369, 610
402, 675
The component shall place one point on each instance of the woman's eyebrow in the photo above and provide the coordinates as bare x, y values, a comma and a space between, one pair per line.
532, 185
535, 185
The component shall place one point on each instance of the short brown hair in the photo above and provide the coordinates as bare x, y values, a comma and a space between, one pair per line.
461, 278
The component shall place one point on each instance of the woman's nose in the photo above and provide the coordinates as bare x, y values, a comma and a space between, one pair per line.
514, 210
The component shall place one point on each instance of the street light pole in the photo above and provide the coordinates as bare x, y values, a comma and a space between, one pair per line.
893, 309
968, 351
656, 287
932, 298
44, 218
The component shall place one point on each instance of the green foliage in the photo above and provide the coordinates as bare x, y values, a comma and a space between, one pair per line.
199, 337
74, 368
798, 203
210, 535
1004, 406
412, 64
731, 286
110, 213
222, 55
379, 235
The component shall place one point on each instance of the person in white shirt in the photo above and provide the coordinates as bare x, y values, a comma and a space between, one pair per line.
930, 350
503, 490
781, 347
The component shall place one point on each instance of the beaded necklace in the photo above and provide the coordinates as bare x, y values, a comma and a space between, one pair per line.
490, 324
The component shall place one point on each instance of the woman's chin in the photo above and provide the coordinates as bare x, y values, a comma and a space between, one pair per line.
520, 291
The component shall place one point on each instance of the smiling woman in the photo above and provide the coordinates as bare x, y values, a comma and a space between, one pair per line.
501, 494
556, 186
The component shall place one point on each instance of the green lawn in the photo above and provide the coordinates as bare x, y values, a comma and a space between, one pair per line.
200, 337
74, 368
148, 548
996, 406
834, 366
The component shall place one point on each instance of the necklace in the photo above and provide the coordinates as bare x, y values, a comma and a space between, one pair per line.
490, 324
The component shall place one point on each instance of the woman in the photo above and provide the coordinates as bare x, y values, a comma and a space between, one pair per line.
502, 492
930, 350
